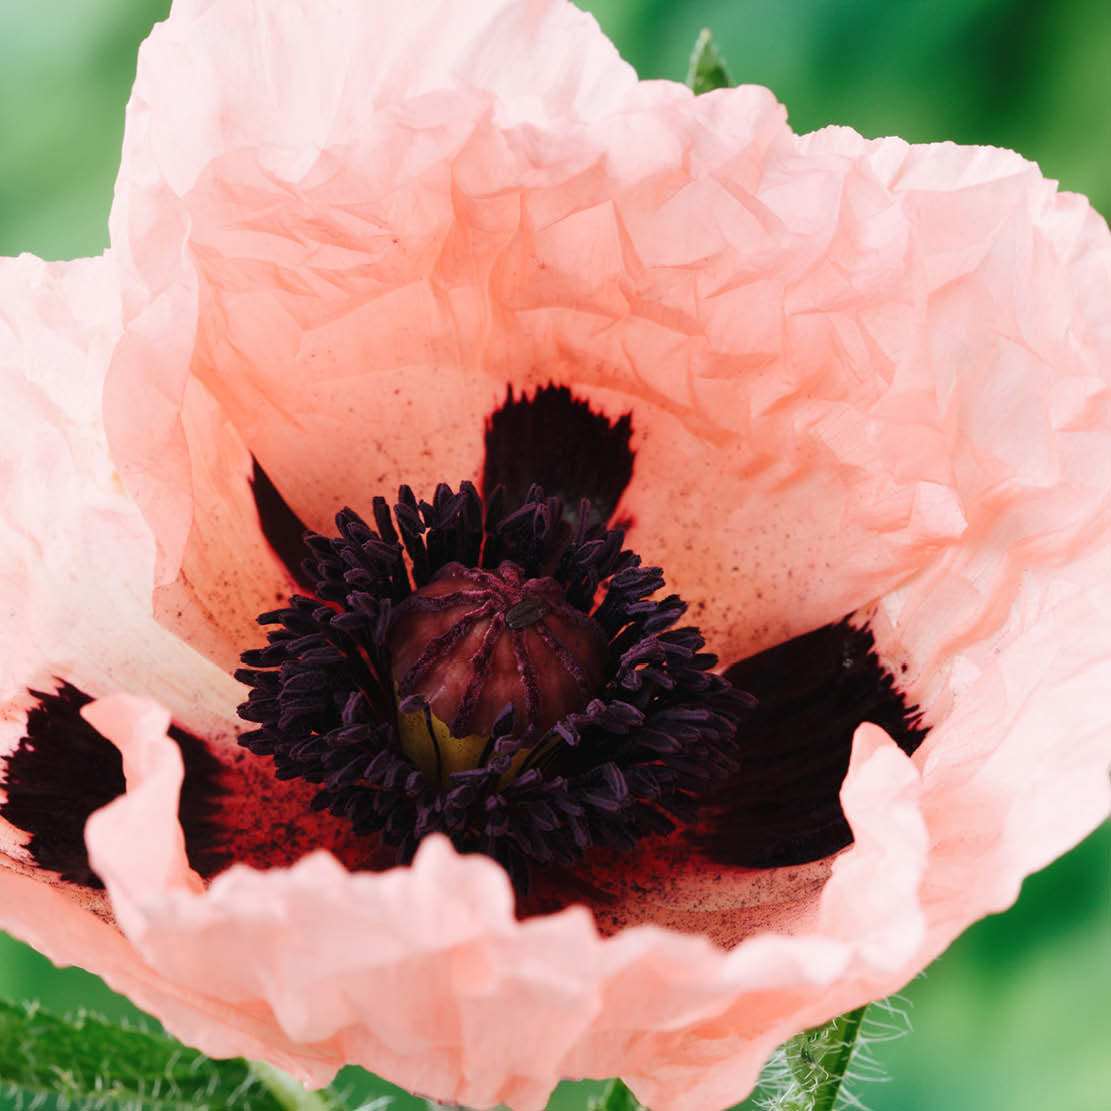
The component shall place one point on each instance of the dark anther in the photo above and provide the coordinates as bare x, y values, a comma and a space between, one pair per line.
526, 612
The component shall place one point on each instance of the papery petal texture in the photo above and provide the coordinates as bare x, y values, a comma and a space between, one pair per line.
469, 1003
863, 377
76, 571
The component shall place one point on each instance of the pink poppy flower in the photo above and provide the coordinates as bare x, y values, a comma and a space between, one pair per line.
851, 396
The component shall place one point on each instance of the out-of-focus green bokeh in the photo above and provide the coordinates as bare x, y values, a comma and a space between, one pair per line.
1016, 1016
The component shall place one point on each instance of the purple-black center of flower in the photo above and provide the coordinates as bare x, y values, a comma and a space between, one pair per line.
473, 645
506, 676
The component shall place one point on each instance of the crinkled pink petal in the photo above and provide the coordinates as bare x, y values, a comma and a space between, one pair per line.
359, 267
76, 571
76, 561
229, 574
466, 238
77, 557
303, 114
424, 974
1015, 772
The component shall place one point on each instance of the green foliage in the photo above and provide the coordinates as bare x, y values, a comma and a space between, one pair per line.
65, 74
88, 1062
615, 1097
707, 68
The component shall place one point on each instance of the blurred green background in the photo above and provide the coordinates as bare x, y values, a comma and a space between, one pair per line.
1016, 1016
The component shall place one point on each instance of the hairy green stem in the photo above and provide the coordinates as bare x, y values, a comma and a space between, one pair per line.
288, 1092
819, 1061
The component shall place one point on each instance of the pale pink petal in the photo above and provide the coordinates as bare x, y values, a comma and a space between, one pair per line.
76, 567
424, 974
76, 558
355, 272
447, 966
76, 562
242, 137
374, 296
229, 573
871, 900
1001, 636
1016, 769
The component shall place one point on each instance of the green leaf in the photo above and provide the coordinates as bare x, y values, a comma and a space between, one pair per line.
707, 69
615, 1097
88, 1062
819, 1061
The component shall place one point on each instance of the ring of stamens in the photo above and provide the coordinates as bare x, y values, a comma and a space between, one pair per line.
638, 727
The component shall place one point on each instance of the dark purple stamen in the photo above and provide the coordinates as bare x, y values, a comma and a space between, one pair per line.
626, 745
526, 612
